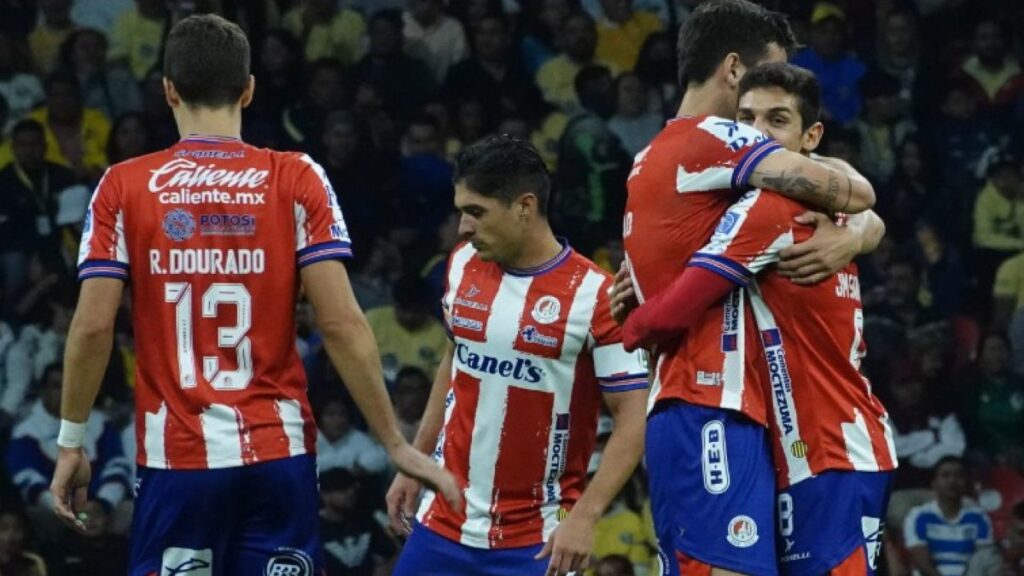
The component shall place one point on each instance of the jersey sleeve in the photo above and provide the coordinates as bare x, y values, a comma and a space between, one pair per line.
320, 231
748, 238
726, 155
616, 369
103, 251
914, 529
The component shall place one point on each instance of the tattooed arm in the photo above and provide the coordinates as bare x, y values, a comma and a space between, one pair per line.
825, 185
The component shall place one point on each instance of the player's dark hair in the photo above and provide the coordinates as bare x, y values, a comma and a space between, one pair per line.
390, 16
792, 80
24, 126
207, 59
717, 28
505, 168
949, 460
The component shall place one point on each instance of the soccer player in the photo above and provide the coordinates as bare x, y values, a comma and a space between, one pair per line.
514, 408
830, 435
708, 458
215, 238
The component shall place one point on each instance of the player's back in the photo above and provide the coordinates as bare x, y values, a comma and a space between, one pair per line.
680, 187
210, 234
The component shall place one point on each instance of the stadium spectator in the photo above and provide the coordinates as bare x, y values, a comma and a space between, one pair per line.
837, 69
50, 33
98, 14
138, 37
76, 136
542, 21
425, 187
911, 191
110, 89
439, 38
154, 108
994, 70
898, 54
406, 333
412, 388
303, 122
21, 89
923, 431
992, 405
656, 67
494, 73
634, 123
96, 551
403, 82
354, 542
880, 127
130, 136
943, 534
998, 220
557, 76
327, 31
622, 31
280, 69
16, 557
32, 453
375, 273
945, 277
340, 445
901, 305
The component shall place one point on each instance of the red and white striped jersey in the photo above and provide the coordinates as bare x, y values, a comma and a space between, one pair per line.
210, 234
680, 187
825, 415
534, 350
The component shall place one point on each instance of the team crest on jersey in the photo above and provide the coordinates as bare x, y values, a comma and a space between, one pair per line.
742, 532
179, 225
727, 223
798, 449
289, 562
546, 310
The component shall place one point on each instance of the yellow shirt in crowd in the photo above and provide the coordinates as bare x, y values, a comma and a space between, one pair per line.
619, 44
136, 40
400, 347
95, 132
341, 38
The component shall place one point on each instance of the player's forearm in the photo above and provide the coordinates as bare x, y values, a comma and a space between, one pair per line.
620, 457
668, 314
871, 229
86, 354
433, 414
816, 183
353, 350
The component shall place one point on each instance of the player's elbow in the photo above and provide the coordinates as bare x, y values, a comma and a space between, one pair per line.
345, 327
862, 197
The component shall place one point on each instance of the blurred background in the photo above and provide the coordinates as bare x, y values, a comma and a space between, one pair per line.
926, 97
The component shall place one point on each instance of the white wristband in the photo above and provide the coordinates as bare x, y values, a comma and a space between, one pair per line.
71, 434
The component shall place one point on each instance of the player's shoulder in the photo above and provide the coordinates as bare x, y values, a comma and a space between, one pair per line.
583, 263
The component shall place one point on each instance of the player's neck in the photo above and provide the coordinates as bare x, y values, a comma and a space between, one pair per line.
950, 507
541, 247
704, 100
223, 122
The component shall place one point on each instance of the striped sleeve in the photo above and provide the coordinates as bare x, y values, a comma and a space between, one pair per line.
320, 230
103, 252
749, 237
748, 163
616, 369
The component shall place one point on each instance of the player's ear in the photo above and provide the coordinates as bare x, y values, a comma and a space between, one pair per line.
247, 94
526, 205
171, 93
731, 70
812, 137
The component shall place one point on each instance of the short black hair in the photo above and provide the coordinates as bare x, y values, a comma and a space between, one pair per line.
791, 79
505, 168
27, 126
949, 460
719, 27
207, 59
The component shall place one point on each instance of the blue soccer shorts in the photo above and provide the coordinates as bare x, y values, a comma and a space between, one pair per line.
427, 553
712, 487
258, 519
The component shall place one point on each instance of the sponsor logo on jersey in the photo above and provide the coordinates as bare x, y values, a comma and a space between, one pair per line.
778, 374
471, 304
731, 310
179, 225
467, 323
473, 291
176, 181
531, 335
848, 286
727, 223
559, 449
562, 514
742, 532
289, 562
522, 369
178, 561
546, 310
715, 460
705, 378
208, 154
87, 223
735, 136
227, 224
798, 449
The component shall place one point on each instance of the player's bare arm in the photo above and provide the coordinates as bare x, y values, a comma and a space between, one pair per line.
570, 544
831, 247
353, 351
86, 354
404, 492
814, 183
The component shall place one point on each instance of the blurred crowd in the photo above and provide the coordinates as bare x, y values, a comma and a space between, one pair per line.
926, 97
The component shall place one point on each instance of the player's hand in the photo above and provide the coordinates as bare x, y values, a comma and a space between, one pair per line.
569, 546
70, 486
623, 296
830, 249
416, 464
401, 499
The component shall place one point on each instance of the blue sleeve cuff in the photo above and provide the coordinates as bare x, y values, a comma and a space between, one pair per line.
103, 269
324, 251
724, 267
741, 174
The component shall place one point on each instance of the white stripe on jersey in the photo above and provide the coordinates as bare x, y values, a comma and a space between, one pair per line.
301, 236
490, 419
858, 444
652, 398
121, 247
714, 178
290, 413
578, 321
153, 437
797, 468
890, 442
220, 432
458, 269
734, 367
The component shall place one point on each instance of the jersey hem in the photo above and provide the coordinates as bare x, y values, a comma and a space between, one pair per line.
216, 465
